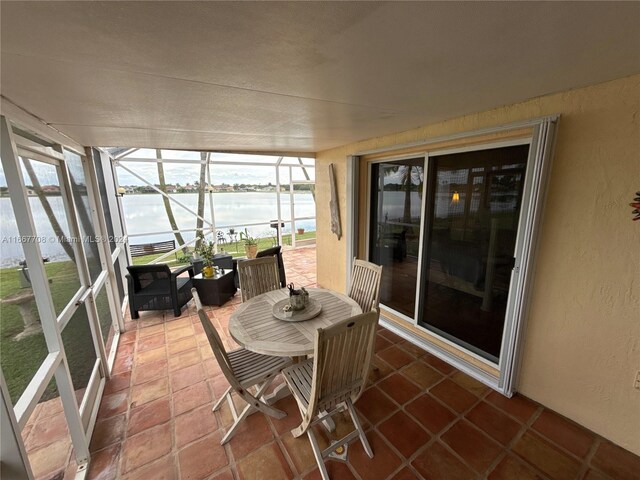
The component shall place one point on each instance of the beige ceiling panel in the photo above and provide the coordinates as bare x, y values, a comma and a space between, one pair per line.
327, 72
99, 98
179, 140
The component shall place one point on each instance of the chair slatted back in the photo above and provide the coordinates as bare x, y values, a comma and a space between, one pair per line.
277, 252
342, 358
216, 344
258, 276
364, 287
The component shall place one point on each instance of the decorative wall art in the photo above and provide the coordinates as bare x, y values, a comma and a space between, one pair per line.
636, 206
333, 204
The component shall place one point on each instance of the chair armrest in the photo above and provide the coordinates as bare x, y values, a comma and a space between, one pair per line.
131, 284
179, 271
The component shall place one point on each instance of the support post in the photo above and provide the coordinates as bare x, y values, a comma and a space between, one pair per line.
279, 206
210, 191
293, 210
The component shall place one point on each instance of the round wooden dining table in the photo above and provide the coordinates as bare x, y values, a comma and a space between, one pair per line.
254, 326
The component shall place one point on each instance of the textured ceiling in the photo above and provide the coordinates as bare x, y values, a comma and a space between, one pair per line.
299, 77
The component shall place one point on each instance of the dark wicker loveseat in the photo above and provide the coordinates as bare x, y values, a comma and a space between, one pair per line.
156, 287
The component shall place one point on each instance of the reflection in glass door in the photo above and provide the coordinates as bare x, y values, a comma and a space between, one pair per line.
396, 202
472, 213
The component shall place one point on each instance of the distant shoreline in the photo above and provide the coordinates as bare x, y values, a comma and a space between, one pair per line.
237, 191
287, 192
146, 218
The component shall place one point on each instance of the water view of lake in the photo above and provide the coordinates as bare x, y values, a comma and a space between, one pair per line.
145, 214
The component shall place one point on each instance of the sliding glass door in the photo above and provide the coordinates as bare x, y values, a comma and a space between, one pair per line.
447, 240
396, 203
472, 213
454, 222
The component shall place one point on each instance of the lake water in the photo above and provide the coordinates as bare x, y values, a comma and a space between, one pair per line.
145, 214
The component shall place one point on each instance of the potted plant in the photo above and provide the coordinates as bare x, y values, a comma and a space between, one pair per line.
250, 244
206, 252
300, 231
193, 259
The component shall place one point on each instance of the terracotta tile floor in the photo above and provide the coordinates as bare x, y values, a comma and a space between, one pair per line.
424, 419
48, 443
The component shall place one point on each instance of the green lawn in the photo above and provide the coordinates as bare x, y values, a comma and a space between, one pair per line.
235, 249
20, 359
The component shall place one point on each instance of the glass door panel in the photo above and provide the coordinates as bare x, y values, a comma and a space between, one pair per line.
42, 181
396, 203
472, 210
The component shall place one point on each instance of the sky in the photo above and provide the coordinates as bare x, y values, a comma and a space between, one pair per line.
184, 173
46, 174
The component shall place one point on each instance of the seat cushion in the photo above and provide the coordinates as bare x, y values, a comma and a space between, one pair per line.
158, 287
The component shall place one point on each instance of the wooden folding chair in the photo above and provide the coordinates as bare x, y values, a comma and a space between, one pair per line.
364, 286
334, 379
243, 370
258, 276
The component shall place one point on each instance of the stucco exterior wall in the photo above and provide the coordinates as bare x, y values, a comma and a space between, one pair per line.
582, 343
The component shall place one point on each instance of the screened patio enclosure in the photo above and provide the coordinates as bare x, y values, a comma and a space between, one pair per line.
63, 255
509, 345
222, 196
69, 215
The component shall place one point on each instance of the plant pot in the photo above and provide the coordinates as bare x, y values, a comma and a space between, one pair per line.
251, 251
300, 231
208, 272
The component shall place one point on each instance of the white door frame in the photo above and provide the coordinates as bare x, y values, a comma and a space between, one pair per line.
536, 177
